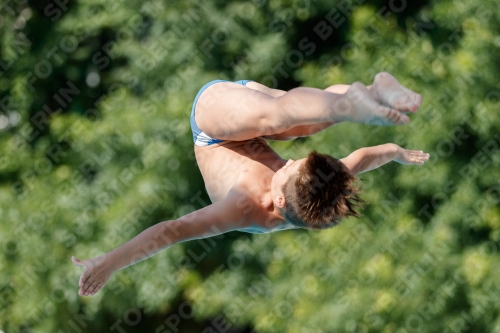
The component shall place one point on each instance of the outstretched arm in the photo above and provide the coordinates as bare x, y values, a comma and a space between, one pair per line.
215, 219
369, 158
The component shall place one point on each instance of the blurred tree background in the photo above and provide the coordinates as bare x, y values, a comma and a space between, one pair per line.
95, 147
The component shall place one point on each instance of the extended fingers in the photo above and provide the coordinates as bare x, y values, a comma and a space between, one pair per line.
86, 282
91, 288
417, 157
95, 289
83, 288
83, 278
420, 154
87, 288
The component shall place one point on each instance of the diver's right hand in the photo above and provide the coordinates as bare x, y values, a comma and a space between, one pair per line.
405, 156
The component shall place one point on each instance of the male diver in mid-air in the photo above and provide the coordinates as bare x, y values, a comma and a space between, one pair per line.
251, 187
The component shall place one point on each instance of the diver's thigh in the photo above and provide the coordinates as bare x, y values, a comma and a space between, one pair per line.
231, 111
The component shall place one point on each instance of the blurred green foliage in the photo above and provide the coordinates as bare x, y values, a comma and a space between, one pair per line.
96, 146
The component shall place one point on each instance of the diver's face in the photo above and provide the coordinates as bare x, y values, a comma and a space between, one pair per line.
281, 177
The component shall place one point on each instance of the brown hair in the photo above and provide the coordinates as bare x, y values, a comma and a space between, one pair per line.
321, 193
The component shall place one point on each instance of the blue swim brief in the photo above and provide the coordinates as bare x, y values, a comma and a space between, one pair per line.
199, 137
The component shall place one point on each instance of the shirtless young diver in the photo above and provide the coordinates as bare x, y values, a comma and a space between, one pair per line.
252, 188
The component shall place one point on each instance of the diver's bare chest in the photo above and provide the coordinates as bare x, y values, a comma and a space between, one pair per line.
223, 167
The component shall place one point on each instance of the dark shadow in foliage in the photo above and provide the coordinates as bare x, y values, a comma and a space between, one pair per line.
178, 317
65, 88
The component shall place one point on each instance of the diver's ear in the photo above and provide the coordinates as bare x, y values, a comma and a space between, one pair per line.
280, 201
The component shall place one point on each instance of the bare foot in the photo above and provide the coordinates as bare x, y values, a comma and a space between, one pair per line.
363, 108
388, 91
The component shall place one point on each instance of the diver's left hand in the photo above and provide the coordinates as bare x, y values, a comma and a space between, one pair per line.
95, 275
